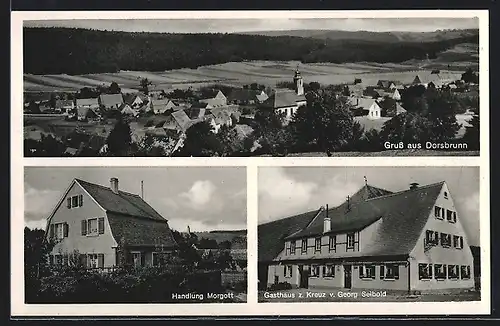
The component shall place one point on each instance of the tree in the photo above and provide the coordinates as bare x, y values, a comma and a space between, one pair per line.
408, 127
33, 107
469, 76
145, 83
229, 141
119, 138
472, 135
155, 146
201, 141
114, 88
441, 108
36, 251
326, 121
412, 98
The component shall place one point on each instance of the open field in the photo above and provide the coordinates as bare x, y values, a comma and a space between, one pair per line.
238, 74
345, 295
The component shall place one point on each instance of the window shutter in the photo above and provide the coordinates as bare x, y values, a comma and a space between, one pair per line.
382, 272
461, 242
143, 260
100, 260
430, 270
51, 231
396, 271
360, 271
68, 202
84, 227
101, 225
80, 200
65, 229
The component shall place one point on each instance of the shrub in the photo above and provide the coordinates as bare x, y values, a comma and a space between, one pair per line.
280, 286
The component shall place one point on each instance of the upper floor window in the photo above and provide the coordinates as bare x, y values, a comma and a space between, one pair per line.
453, 272
445, 195
317, 244
93, 226
451, 216
458, 242
304, 246
332, 243
74, 201
439, 212
424, 271
58, 230
367, 271
350, 241
439, 271
431, 237
292, 247
445, 240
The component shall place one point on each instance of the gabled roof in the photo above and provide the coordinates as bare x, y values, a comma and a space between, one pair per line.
402, 216
362, 102
221, 116
283, 98
64, 103
247, 95
140, 232
123, 203
200, 105
182, 119
87, 102
195, 113
111, 100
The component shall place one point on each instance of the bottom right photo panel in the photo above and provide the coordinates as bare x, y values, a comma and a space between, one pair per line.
368, 234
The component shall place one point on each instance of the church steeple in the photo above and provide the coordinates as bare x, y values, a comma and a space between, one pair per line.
299, 83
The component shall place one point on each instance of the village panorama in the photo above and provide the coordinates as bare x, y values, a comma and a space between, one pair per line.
251, 94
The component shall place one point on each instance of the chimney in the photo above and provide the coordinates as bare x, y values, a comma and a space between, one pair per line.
413, 185
348, 203
113, 184
326, 222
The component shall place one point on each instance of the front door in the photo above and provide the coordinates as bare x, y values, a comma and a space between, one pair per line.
304, 276
347, 276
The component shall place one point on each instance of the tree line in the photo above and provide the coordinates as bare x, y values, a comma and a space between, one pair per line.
82, 51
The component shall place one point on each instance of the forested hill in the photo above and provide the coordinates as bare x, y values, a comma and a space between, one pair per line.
82, 51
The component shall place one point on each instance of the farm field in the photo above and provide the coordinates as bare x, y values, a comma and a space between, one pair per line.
236, 74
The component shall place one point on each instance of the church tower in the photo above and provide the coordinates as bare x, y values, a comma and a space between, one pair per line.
299, 83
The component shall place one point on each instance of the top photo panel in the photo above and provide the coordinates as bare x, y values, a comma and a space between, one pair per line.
251, 87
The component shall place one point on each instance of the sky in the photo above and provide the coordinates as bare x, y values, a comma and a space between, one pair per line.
205, 198
287, 191
249, 25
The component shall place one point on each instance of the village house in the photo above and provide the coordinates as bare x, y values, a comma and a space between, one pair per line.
87, 114
110, 101
219, 118
125, 109
65, 106
287, 102
368, 105
412, 240
216, 99
91, 103
106, 227
159, 106
247, 96
178, 121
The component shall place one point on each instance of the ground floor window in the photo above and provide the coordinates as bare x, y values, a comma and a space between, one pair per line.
389, 272
329, 271
439, 271
137, 259
465, 272
288, 270
424, 271
453, 272
367, 271
314, 271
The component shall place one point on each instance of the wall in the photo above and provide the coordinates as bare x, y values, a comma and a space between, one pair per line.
279, 270
102, 243
440, 255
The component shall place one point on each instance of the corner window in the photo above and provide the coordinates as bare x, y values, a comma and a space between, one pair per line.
424, 271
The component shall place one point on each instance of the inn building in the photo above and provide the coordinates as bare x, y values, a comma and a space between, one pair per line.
411, 240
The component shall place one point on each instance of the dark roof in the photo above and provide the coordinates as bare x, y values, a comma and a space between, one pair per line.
271, 235
140, 232
402, 216
199, 105
122, 203
283, 98
111, 100
195, 113
244, 95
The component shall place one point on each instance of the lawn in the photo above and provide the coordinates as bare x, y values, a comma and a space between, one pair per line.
344, 295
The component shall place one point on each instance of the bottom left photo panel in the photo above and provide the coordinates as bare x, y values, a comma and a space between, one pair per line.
135, 234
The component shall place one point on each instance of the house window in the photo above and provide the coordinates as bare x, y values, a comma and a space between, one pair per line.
288, 271
439, 271
137, 259
367, 272
424, 271
332, 243
438, 212
445, 195
389, 272
317, 245
329, 271
58, 260
350, 241
431, 238
92, 261
314, 271
453, 272
446, 240
58, 230
465, 272
74, 201
458, 242
92, 226
451, 216
293, 247
304, 246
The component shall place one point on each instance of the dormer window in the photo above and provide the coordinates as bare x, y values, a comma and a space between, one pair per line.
74, 201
